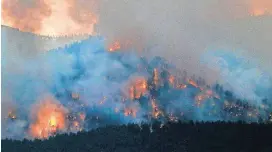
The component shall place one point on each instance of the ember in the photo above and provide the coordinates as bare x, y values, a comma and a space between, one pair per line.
115, 46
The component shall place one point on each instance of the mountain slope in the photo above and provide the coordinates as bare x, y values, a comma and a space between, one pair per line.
26, 43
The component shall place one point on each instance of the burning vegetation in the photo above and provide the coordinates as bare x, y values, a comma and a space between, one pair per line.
115, 46
146, 90
137, 88
149, 94
49, 118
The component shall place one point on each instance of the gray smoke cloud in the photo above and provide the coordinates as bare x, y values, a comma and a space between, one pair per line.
26, 15
189, 34
183, 31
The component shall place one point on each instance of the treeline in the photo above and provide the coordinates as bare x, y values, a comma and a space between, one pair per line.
170, 137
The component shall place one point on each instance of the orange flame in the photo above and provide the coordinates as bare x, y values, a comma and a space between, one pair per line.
76, 124
115, 46
137, 88
48, 119
130, 111
155, 110
171, 80
156, 78
200, 98
193, 83
261, 7
181, 86
209, 92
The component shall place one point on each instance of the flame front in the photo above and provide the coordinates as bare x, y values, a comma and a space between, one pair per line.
137, 88
49, 118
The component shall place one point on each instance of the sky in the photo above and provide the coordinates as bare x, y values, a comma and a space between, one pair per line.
181, 31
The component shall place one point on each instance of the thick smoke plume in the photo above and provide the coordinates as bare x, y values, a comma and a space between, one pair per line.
195, 26
85, 86
224, 41
26, 15
50, 17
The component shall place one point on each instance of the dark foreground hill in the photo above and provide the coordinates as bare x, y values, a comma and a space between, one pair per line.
171, 137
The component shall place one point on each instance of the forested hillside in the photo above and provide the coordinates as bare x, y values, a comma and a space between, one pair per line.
171, 137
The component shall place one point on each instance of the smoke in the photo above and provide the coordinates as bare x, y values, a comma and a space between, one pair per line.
26, 15
182, 31
54, 18
158, 26
83, 12
89, 87
240, 74
86, 78
261, 7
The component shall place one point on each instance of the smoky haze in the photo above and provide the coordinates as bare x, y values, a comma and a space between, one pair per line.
187, 33
183, 31
215, 40
25, 15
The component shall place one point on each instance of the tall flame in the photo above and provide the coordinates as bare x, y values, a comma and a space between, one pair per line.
138, 87
49, 117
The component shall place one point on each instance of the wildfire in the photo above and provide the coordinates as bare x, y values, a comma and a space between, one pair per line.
12, 115
156, 77
49, 117
261, 7
193, 83
173, 118
171, 80
115, 46
137, 88
76, 124
209, 93
181, 86
53, 121
259, 12
130, 111
155, 110
200, 98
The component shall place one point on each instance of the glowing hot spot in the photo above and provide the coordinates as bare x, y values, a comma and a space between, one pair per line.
49, 117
